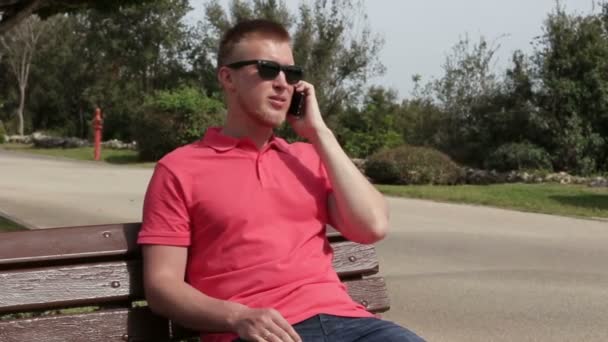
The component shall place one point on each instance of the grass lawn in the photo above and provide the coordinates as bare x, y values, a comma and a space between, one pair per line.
9, 226
565, 200
121, 157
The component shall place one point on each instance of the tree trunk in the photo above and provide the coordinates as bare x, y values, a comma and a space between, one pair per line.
81, 119
21, 108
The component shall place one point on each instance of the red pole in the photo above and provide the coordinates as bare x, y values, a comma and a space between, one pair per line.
97, 127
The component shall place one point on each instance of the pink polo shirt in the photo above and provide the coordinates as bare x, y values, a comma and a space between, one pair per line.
254, 222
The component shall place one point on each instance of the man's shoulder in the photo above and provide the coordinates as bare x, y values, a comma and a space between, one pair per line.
303, 150
184, 155
297, 147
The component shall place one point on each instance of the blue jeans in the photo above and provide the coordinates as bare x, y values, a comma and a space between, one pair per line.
329, 328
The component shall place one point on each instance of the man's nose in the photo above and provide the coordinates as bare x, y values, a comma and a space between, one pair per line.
281, 80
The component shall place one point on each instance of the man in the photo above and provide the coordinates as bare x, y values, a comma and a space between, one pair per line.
233, 231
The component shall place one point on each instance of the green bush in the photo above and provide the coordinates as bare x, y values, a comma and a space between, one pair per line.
2, 133
174, 118
519, 156
362, 144
412, 165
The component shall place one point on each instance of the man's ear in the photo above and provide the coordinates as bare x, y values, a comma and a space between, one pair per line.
224, 76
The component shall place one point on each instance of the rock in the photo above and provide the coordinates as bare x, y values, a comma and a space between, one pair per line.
485, 177
514, 177
20, 139
598, 182
45, 141
75, 142
480, 177
116, 144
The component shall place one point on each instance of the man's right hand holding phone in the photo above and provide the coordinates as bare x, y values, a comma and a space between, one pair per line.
310, 122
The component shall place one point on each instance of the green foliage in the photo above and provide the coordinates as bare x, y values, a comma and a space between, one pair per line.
519, 156
420, 119
468, 78
337, 58
125, 56
19, 46
556, 99
366, 130
412, 165
108, 59
571, 60
460, 103
174, 118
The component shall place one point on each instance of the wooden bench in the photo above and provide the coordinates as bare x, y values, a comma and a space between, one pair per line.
42, 271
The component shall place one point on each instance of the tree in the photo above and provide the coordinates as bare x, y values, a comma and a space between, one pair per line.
507, 114
420, 117
464, 94
363, 131
62, 72
138, 50
20, 45
14, 11
571, 61
112, 59
338, 57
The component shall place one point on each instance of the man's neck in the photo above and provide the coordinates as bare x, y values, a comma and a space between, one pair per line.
240, 127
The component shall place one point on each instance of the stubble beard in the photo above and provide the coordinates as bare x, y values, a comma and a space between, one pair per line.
262, 116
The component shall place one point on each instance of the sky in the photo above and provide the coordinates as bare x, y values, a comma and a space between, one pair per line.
419, 34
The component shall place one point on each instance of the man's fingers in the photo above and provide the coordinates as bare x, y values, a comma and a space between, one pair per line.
266, 325
306, 87
287, 329
276, 333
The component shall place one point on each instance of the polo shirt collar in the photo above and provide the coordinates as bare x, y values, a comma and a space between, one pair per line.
220, 142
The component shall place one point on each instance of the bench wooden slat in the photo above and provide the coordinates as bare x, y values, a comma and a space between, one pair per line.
352, 259
370, 292
137, 324
89, 284
45, 246
140, 324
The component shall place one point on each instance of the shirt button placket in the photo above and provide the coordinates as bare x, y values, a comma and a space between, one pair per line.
260, 169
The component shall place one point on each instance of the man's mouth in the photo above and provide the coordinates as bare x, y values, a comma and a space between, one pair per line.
278, 101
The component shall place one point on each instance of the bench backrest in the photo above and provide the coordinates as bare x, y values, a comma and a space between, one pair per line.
95, 272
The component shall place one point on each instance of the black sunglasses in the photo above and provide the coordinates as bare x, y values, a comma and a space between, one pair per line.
269, 70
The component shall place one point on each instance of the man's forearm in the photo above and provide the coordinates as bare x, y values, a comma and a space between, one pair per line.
362, 208
191, 308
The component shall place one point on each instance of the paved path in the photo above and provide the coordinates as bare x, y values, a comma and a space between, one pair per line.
455, 272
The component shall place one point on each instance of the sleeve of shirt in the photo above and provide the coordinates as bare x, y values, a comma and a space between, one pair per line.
166, 220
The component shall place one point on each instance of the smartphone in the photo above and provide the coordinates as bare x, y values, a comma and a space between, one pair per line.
296, 108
